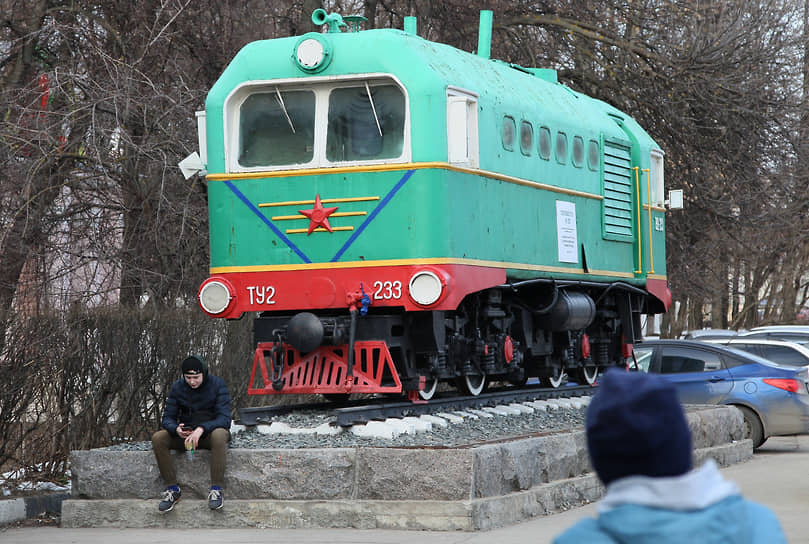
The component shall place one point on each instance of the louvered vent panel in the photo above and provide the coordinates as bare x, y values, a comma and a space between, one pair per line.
617, 189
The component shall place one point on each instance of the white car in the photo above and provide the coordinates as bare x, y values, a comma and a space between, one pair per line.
777, 351
789, 333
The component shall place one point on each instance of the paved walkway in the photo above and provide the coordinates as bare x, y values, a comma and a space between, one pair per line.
776, 476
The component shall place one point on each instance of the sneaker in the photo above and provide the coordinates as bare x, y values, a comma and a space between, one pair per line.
216, 499
170, 497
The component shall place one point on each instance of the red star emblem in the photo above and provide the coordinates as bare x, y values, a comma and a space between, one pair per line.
318, 216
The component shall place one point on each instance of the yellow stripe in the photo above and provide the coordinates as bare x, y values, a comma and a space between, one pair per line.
324, 201
406, 262
318, 229
393, 168
640, 234
649, 215
336, 214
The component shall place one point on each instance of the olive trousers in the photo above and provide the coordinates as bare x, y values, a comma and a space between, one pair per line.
217, 442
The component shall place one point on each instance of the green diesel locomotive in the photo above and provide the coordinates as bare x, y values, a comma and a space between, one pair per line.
401, 213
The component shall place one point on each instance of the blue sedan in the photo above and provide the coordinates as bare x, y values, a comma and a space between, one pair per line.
774, 399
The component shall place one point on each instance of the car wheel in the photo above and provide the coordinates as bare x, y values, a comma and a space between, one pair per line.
752, 426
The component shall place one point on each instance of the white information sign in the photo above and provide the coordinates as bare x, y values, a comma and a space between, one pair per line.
566, 236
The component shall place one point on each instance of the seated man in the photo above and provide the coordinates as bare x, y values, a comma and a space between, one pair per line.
197, 415
640, 447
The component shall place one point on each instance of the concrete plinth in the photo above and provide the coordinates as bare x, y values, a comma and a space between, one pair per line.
430, 489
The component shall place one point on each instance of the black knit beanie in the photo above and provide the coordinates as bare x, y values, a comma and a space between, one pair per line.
192, 365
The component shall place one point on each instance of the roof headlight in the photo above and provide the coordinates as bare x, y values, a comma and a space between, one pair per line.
425, 287
214, 297
312, 52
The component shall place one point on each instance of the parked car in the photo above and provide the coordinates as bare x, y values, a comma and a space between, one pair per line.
700, 334
773, 398
789, 333
777, 351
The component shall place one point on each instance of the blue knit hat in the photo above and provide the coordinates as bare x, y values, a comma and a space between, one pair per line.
637, 426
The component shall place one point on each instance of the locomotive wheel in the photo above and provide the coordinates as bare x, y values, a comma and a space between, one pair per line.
588, 375
519, 382
472, 384
430, 385
558, 379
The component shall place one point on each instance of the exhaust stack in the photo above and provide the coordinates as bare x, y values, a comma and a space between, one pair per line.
410, 25
485, 34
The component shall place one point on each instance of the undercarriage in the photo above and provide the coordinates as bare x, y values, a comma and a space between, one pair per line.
549, 330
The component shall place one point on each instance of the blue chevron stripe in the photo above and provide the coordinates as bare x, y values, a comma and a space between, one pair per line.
267, 222
384, 202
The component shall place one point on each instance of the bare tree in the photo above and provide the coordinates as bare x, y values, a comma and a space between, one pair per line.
98, 104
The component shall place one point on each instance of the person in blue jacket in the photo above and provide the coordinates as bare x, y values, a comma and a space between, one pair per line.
197, 415
640, 448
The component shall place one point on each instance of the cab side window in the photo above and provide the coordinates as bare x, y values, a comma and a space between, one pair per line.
578, 151
509, 130
545, 146
526, 137
561, 148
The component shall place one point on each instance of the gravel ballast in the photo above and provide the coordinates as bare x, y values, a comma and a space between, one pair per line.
474, 429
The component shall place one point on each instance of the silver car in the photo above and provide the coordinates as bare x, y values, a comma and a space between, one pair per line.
790, 333
779, 351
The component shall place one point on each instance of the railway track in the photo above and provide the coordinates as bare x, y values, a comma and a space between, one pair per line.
363, 411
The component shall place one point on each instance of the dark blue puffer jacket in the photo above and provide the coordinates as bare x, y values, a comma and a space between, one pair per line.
207, 406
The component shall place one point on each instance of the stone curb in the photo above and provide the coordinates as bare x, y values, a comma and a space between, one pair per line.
12, 510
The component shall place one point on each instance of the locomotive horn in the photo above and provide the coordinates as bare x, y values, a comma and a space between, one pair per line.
319, 16
305, 332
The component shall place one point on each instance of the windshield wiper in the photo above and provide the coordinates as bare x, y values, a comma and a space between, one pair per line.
373, 108
284, 108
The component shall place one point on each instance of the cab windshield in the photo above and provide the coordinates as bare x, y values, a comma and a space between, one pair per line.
364, 121
277, 128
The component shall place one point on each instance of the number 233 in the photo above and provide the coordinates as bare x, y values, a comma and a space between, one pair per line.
386, 290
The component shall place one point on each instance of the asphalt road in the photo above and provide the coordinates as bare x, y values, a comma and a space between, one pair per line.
776, 477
